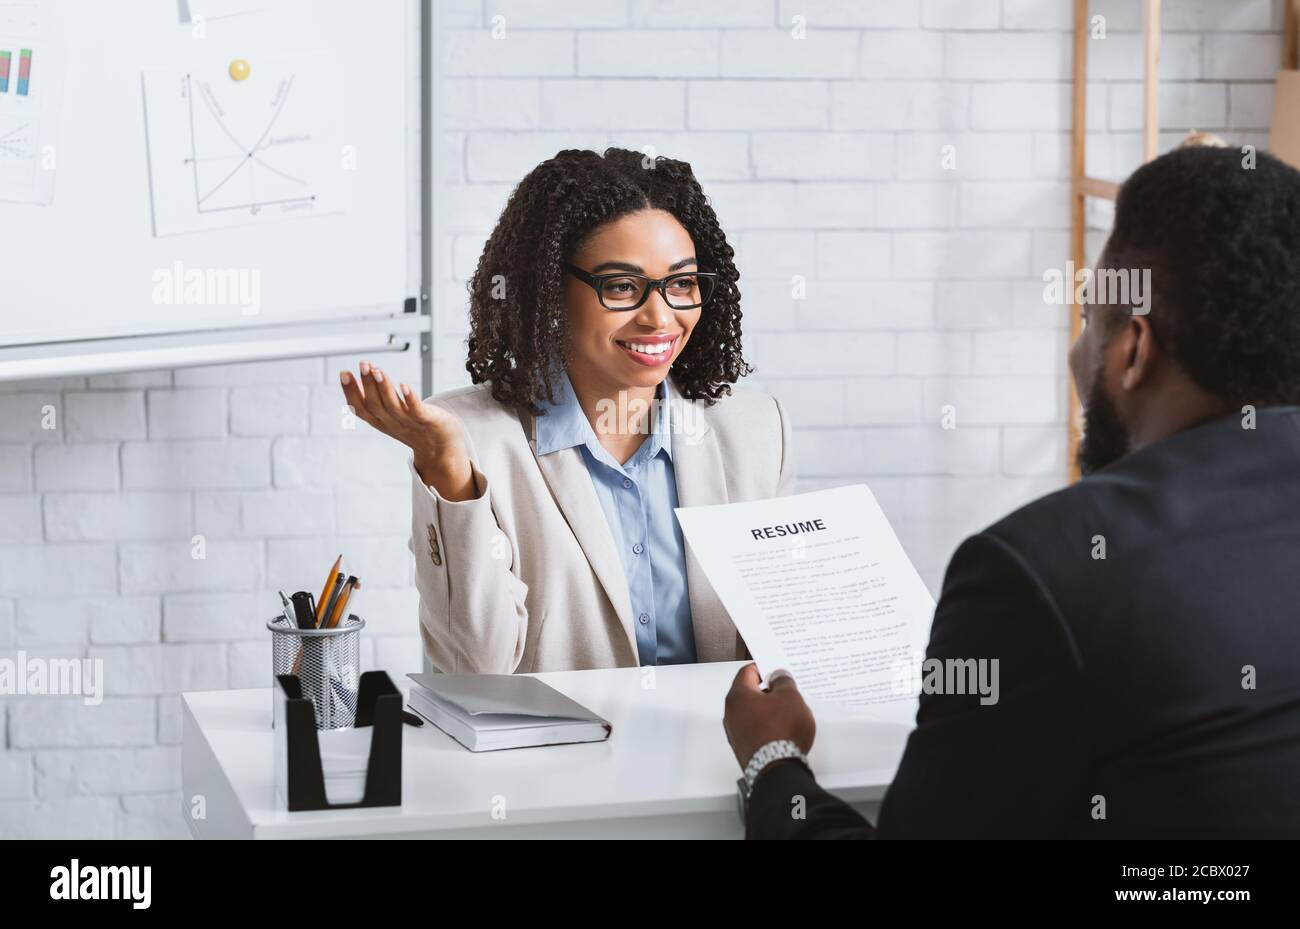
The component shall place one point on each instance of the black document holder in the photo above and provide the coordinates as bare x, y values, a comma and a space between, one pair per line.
379, 704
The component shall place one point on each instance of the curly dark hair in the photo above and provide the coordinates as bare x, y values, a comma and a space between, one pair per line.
1222, 240
519, 339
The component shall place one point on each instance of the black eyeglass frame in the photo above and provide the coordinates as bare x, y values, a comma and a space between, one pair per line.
596, 281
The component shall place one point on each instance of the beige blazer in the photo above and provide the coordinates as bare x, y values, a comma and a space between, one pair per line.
526, 578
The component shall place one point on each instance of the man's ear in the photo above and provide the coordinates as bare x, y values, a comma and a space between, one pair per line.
1137, 340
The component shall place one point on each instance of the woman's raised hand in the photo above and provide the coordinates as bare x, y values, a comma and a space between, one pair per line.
435, 436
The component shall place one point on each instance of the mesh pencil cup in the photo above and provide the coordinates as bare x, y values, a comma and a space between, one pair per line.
327, 663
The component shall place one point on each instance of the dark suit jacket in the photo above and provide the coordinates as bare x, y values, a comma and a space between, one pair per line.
1121, 678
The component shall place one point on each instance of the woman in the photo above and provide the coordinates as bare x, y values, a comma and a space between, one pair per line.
543, 523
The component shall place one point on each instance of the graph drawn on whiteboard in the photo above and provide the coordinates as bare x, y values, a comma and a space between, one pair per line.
231, 153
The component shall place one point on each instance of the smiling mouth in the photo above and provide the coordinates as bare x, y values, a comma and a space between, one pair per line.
650, 349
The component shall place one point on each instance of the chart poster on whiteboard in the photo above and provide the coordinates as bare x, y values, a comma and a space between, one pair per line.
260, 145
31, 78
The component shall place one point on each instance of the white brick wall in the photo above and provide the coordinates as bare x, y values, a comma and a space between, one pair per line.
822, 157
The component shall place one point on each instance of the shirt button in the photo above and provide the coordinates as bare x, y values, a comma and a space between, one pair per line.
644, 618
626, 482
638, 548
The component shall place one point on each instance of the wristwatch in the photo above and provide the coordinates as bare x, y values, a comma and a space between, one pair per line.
772, 751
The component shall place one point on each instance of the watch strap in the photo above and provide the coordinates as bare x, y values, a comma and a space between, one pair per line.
775, 750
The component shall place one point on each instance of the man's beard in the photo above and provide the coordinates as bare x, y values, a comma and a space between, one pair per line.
1105, 437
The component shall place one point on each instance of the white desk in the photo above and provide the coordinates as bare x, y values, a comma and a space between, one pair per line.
666, 772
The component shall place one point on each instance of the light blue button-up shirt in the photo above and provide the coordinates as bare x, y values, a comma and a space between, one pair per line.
638, 499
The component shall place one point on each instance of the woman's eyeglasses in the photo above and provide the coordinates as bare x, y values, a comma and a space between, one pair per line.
622, 290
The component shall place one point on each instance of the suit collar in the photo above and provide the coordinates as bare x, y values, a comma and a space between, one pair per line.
1211, 440
563, 424
702, 481
565, 473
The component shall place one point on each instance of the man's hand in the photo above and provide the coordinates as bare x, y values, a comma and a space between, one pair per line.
753, 718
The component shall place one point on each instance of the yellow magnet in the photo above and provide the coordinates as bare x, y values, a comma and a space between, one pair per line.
239, 70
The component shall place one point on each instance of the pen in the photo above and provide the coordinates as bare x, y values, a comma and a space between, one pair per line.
305, 611
289, 613
323, 613
302, 608
337, 613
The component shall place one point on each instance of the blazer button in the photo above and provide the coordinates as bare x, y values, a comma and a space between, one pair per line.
435, 553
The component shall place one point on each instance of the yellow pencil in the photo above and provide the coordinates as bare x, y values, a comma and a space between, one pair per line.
324, 598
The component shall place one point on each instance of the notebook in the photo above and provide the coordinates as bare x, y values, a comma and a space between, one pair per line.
488, 712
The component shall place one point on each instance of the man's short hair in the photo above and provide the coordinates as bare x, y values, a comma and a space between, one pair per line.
1222, 241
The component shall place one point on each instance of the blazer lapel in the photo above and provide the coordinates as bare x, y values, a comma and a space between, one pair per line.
567, 477
701, 481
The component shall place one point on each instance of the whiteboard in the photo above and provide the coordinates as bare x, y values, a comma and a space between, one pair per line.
90, 265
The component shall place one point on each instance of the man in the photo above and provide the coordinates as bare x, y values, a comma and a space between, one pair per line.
1147, 619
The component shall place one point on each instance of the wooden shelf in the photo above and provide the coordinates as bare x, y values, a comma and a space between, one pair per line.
1081, 185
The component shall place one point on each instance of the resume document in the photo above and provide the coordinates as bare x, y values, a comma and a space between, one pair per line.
818, 585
